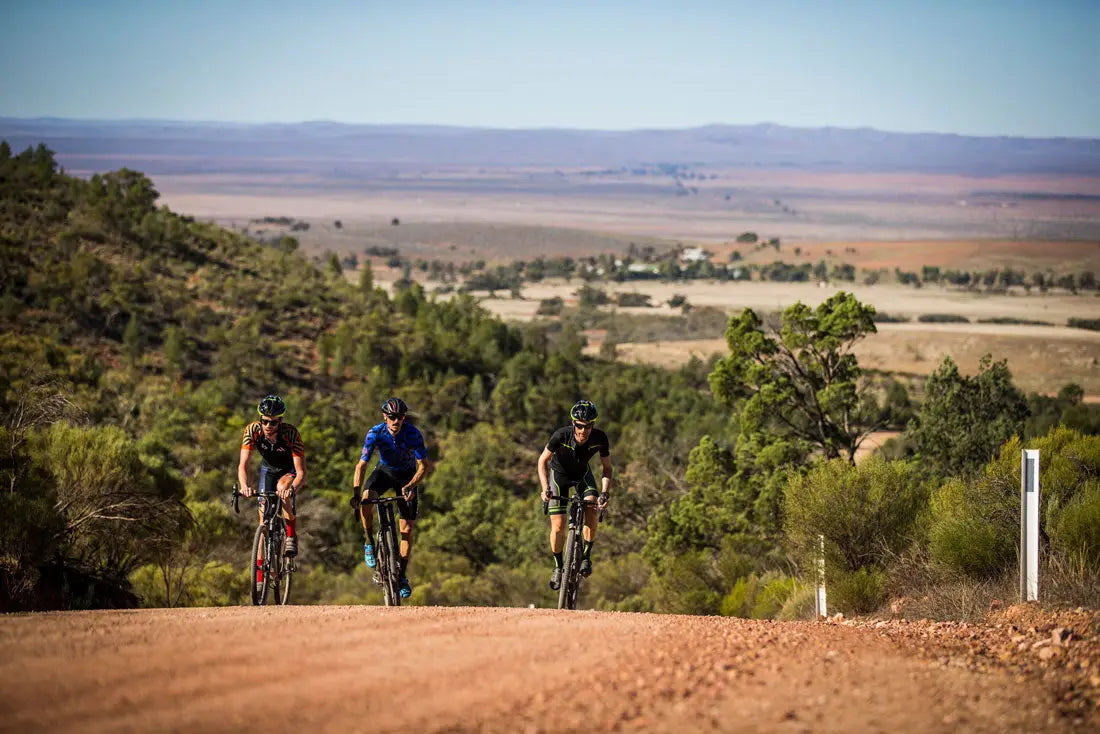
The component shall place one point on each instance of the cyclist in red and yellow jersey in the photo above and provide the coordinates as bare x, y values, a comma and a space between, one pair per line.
282, 465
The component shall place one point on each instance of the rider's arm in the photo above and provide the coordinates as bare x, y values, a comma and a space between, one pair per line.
607, 473
360, 470
544, 477
300, 472
364, 460
421, 470
242, 472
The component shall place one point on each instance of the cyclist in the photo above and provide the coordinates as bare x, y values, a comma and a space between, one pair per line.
401, 464
567, 454
282, 464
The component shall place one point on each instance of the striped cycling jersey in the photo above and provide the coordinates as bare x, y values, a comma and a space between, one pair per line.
278, 453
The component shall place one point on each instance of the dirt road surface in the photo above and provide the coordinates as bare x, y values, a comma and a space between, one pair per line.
465, 669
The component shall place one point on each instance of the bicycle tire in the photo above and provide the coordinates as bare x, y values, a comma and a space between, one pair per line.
284, 575
259, 587
392, 566
568, 575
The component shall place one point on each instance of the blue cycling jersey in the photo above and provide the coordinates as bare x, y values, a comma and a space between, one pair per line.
398, 452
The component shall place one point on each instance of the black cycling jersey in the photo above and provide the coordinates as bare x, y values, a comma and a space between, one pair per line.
571, 459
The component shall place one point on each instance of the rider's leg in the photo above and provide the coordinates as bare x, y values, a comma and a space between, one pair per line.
288, 509
366, 516
405, 527
591, 520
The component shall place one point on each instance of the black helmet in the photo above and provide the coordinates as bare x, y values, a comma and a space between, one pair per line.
584, 410
272, 405
394, 407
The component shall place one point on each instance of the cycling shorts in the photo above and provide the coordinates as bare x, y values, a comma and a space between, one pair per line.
383, 479
561, 484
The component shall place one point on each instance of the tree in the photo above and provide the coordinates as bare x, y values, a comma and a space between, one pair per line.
965, 420
800, 383
131, 339
366, 278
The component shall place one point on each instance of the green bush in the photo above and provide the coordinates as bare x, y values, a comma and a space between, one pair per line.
942, 318
632, 300
866, 512
857, 592
975, 524
550, 306
801, 604
1077, 529
759, 596
1091, 324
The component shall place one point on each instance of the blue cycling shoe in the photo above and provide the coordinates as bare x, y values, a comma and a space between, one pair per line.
368, 555
405, 589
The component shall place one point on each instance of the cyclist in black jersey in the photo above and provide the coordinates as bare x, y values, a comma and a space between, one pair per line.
563, 466
282, 465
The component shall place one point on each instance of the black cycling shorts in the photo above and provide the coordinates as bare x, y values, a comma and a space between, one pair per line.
269, 482
561, 484
383, 479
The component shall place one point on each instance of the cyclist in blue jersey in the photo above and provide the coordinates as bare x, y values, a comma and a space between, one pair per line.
401, 464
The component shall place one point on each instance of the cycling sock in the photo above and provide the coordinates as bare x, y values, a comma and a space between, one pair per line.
291, 527
558, 562
587, 555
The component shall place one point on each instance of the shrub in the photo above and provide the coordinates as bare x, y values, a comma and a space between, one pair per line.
942, 318
1014, 320
632, 299
857, 592
677, 300
1077, 529
550, 306
1091, 324
760, 597
881, 317
866, 512
975, 524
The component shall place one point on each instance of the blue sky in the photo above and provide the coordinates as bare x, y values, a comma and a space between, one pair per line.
978, 67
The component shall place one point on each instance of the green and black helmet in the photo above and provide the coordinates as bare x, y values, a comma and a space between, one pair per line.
272, 406
584, 410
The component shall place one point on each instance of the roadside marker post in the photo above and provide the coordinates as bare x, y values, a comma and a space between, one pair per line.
1029, 525
820, 609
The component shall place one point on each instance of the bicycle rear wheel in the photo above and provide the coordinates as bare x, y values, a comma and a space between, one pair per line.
261, 578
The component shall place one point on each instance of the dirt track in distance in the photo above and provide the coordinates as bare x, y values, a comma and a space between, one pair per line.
462, 669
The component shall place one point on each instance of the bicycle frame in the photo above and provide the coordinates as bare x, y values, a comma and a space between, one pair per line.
270, 569
388, 574
571, 561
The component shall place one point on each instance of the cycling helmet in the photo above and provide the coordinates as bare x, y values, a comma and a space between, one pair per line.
584, 410
272, 405
394, 407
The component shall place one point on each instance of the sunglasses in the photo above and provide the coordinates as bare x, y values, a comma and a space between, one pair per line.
270, 421
582, 426
394, 418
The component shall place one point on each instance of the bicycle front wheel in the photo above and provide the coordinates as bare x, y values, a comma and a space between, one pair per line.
260, 575
392, 565
567, 596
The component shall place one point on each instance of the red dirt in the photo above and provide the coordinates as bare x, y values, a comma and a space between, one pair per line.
463, 669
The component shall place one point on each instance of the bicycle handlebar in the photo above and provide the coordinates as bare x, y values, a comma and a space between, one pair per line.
237, 497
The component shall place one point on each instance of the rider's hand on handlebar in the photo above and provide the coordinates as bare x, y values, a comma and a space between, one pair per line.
604, 498
246, 491
355, 500
285, 491
408, 492
545, 494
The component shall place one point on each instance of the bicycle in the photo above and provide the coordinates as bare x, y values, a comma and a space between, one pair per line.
266, 545
388, 573
571, 562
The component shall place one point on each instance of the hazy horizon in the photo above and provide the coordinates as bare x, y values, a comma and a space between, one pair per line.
983, 68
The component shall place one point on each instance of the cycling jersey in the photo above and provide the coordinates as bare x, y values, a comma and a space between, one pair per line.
279, 452
399, 452
571, 459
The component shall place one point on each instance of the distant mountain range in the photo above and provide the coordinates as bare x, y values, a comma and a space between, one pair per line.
112, 143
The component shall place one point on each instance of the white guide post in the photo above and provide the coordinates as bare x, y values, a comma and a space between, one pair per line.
819, 600
1029, 525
